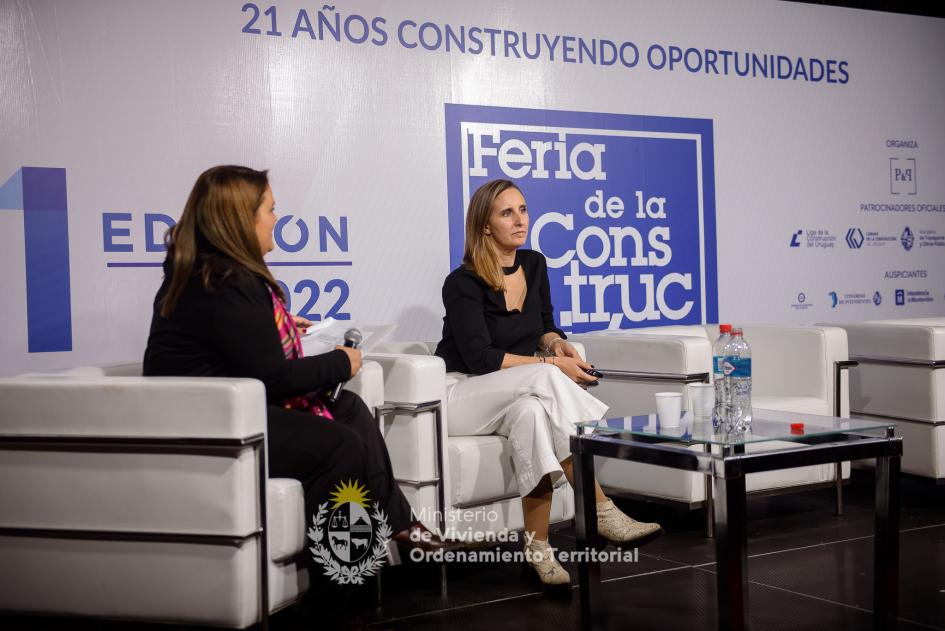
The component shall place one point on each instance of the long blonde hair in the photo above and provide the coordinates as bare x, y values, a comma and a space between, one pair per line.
219, 221
479, 253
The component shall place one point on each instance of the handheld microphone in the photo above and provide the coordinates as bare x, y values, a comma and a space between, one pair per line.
353, 339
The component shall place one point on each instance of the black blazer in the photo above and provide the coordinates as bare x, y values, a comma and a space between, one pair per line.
478, 330
230, 331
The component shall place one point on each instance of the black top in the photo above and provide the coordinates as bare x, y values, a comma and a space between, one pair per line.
230, 331
478, 330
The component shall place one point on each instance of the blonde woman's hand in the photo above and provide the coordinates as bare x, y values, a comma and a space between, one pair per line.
573, 368
562, 348
354, 356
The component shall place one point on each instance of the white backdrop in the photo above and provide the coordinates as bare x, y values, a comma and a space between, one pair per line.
134, 99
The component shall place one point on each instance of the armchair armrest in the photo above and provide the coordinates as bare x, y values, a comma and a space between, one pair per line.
638, 365
165, 407
411, 378
797, 361
368, 384
416, 432
914, 340
642, 353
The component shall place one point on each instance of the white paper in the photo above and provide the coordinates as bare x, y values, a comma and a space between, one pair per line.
323, 336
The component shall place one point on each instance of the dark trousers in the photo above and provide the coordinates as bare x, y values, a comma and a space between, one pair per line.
322, 453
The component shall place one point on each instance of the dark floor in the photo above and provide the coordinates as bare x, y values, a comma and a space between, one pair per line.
808, 569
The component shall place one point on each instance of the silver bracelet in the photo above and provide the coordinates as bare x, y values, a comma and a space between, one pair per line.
550, 348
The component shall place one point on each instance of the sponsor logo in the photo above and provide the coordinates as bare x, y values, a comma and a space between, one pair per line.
622, 207
40, 194
900, 297
931, 238
907, 239
902, 176
875, 239
819, 238
855, 238
356, 533
801, 303
853, 298
914, 296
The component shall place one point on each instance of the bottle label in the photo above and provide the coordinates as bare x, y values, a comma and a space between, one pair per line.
718, 364
737, 367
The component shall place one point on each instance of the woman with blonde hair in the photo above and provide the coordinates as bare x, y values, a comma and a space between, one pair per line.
523, 380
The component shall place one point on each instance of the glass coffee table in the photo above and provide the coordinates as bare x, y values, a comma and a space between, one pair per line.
723, 458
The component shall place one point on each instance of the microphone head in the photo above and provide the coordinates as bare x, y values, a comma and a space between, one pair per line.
353, 337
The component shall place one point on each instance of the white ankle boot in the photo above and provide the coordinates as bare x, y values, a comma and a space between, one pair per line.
615, 526
541, 557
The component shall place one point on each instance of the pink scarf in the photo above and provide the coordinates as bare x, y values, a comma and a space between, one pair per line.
292, 347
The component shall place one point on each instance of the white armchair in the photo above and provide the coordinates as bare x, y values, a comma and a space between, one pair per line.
794, 369
460, 484
901, 376
145, 498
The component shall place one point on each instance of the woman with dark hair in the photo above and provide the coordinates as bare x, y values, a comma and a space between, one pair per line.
220, 313
519, 377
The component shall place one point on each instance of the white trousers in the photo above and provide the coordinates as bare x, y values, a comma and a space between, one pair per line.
534, 406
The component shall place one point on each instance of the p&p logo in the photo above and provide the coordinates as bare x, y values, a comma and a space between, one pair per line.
902, 176
622, 207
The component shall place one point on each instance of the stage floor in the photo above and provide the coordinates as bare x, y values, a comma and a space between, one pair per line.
808, 568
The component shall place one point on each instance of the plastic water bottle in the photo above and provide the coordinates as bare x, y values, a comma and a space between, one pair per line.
737, 369
718, 375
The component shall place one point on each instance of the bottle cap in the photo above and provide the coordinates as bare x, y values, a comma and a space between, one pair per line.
797, 428
736, 331
725, 328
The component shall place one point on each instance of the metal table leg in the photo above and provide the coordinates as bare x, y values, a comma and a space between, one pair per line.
709, 510
731, 552
838, 486
586, 526
886, 551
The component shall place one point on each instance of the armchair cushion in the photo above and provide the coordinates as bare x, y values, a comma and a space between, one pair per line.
481, 469
286, 527
800, 405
